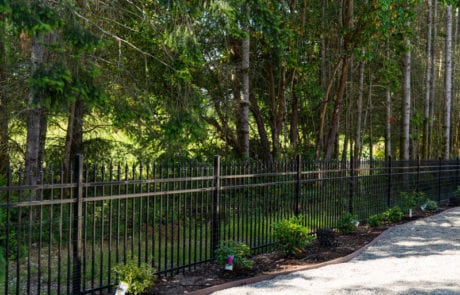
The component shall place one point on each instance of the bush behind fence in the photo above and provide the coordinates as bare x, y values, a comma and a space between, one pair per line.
61, 232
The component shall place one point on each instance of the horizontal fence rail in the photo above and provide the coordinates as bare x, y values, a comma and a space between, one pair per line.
63, 230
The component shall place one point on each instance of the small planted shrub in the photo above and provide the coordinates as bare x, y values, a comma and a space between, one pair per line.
138, 278
376, 220
457, 192
291, 236
411, 200
240, 252
393, 214
347, 223
430, 205
326, 237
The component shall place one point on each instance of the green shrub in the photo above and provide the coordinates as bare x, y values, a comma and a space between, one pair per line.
431, 205
240, 252
138, 278
457, 192
291, 236
393, 214
347, 223
376, 220
411, 200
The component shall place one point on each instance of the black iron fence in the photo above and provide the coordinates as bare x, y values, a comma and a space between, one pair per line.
64, 233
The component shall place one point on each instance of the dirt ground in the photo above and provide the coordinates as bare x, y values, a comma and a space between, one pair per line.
212, 274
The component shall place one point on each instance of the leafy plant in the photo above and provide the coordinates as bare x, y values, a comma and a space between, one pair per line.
376, 220
138, 278
240, 252
291, 236
393, 214
411, 200
430, 205
347, 223
457, 192
326, 236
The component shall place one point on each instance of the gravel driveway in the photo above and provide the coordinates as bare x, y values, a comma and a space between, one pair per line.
421, 257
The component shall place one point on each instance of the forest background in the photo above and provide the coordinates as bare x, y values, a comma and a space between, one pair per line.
133, 80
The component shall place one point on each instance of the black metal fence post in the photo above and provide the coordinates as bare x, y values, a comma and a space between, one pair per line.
457, 182
77, 225
7, 229
297, 185
389, 182
215, 227
458, 172
352, 185
417, 184
439, 179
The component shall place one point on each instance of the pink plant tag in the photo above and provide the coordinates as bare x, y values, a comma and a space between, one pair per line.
229, 264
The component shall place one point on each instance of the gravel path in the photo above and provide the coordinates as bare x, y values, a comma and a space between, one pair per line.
421, 257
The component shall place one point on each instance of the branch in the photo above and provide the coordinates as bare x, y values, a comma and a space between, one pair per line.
121, 39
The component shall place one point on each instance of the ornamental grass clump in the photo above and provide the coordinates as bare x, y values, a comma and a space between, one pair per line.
291, 236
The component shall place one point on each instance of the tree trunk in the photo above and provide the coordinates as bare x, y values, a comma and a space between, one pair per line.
359, 110
454, 116
371, 111
4, 114
36, 114
448, 82
265, 144
334, 124
407, 101
388, 123
426, 112
243, 133
69, 137
293, 132
433, 81
389, 118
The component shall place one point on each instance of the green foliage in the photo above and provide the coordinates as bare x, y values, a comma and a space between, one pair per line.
239, 250
139, 278
431, 205
376, 220
393, 214
411, 200
291, 236
347, 223
457, 192
31, 16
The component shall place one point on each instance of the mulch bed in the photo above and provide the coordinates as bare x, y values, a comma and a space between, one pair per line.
213, 274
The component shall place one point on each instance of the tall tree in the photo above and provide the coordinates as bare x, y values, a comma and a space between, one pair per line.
448, 82
4, 114
433, 81
429, 64
36, 113
244, 100
359, 108
407, 100
346, 57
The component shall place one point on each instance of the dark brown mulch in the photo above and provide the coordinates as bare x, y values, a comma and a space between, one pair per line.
213, 274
